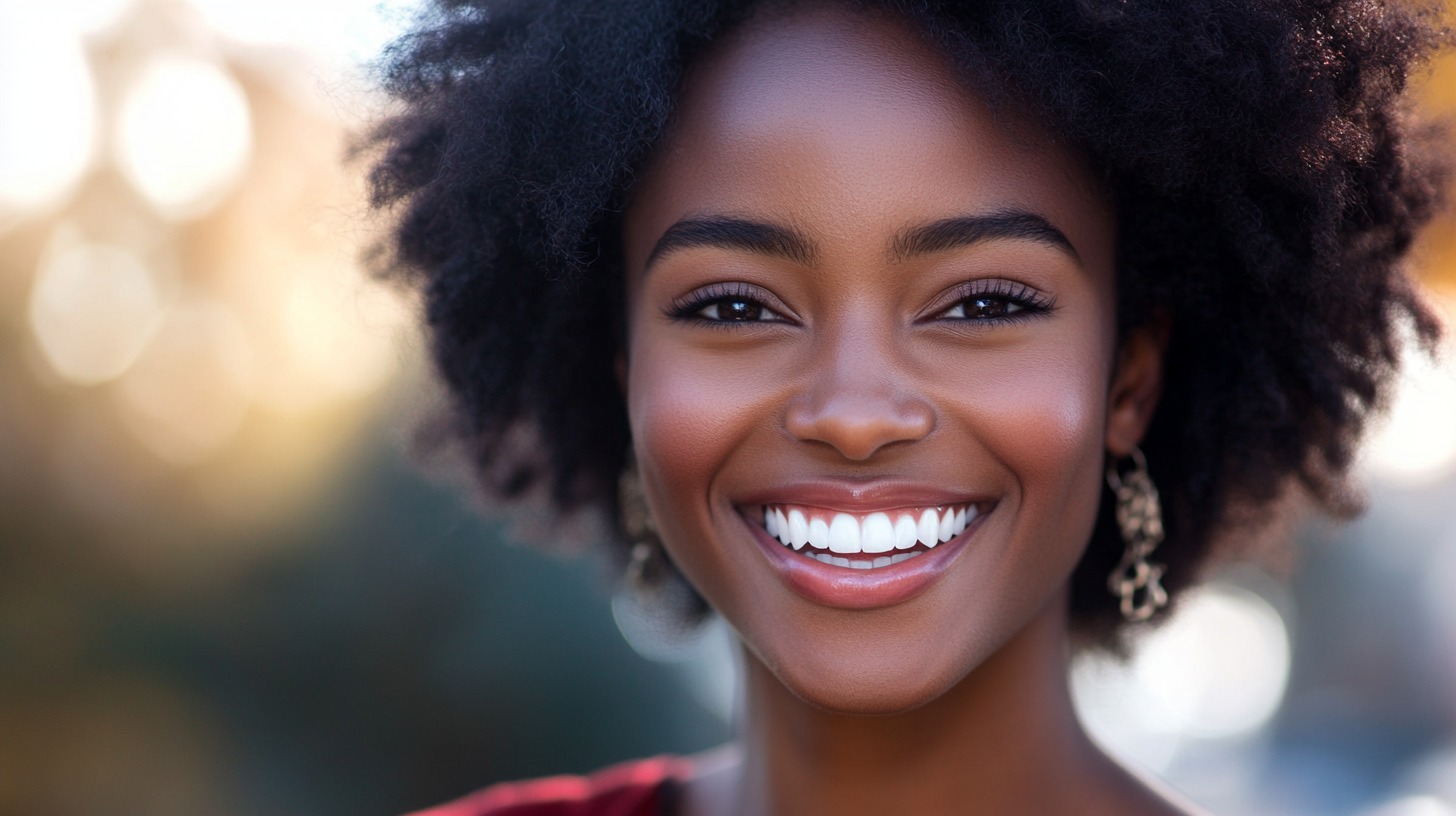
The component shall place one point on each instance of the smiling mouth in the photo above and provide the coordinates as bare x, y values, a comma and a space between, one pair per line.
868, 541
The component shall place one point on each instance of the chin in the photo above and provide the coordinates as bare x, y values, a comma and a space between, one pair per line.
870, 699
870, 681
871, 703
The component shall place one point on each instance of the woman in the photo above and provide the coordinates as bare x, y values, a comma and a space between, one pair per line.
908, 329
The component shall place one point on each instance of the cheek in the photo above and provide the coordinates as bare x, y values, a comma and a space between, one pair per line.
1052, 439
688, 417
695, 416
1047, 416
1039, 412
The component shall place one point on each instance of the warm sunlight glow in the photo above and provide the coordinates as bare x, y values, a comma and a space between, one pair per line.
47, 108
88, 17
339, 32
340, 335
183, 135
188, 392
92, 310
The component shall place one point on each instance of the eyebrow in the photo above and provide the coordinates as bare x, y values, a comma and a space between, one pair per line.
952, 233
726, 232
734, 233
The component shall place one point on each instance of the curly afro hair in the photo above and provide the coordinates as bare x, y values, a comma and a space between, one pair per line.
1267, 180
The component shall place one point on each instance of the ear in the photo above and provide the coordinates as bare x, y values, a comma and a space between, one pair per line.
1136, 385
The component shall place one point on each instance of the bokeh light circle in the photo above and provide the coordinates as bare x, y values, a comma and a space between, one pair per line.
184, 135
1220, 667
1217, 670
92, 310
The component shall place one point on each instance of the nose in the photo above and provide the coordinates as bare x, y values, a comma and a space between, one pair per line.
860, 401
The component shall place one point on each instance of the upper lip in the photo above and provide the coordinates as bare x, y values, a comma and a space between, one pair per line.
860, 497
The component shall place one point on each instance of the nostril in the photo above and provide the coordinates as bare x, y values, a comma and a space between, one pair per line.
858, 425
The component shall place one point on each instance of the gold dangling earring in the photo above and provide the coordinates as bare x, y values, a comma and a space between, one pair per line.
1136, 582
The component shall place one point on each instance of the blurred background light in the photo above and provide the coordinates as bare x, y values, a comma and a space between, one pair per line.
47, 107
1437, 600
1435, 775
1413, 806
1216, 671
1415, 444
328, 30
188, 392
86, 17
92, 309
183, 135
1219, 669
338, 338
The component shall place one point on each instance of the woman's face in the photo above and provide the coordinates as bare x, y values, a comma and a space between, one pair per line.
861, 300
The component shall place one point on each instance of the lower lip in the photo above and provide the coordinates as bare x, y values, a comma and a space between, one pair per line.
848, 588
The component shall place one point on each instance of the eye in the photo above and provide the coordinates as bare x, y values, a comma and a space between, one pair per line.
996, 300
983, 307
733, 310
726, 303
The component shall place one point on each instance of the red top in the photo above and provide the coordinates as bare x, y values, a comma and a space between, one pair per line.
640, 788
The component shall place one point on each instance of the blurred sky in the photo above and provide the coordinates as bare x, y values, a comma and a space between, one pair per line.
227, 587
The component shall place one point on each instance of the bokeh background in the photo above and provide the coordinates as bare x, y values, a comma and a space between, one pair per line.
228, 587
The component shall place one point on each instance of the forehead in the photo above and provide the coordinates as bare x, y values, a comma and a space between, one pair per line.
845, 124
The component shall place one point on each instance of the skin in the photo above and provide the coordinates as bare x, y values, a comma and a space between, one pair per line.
858, 362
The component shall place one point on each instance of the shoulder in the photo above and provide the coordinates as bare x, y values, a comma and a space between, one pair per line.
629, 789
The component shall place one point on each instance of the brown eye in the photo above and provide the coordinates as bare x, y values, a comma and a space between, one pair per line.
726, 305
733, 310
984, 308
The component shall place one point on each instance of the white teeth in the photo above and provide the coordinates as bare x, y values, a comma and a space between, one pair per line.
843, 534
882, 561
928, 531
905, 532
819, 533
798, 529
877, 534
880, 532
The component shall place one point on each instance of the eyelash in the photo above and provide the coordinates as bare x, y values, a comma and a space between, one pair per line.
687, 308
1028, 303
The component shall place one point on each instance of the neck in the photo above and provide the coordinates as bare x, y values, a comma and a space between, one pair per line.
1004, 740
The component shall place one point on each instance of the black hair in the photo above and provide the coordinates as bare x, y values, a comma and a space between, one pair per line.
1267, 179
